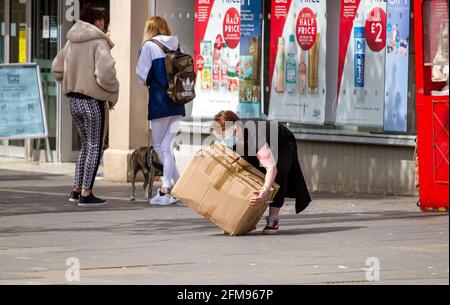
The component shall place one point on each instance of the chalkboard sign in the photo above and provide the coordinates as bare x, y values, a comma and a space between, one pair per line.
21, 103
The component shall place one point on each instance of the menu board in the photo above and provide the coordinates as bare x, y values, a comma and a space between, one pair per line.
21, 103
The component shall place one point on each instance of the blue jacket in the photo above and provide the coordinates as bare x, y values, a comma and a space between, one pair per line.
151, 71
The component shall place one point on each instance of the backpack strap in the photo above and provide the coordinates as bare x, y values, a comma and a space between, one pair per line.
162, 46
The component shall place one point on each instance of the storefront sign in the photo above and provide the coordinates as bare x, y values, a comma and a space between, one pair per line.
250, 59
397, 66
217, 51
21, 104
298, 61
362, 63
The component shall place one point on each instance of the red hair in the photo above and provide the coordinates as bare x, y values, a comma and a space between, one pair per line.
226, 116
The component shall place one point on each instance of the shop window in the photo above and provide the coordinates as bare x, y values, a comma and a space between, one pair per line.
18, 32
2, 31
436, 47
328, 67
44, 48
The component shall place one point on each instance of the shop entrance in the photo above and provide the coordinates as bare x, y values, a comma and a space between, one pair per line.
34, 31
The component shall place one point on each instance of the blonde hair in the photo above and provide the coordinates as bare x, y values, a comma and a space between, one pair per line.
156, 26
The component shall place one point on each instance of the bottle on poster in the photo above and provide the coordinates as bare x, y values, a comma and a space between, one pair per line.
217, 67
280, 67
359, 41
291, 66
313, 67
302, 74
207, 54
225, 60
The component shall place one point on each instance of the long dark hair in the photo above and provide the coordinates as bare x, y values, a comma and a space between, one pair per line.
91, 15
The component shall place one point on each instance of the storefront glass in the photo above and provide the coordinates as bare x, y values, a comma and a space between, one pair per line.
18, 32
2, 31
436, 47
44, 49
304, 66
2, 36
18, 40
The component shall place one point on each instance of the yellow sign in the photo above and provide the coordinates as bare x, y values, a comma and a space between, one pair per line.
22, 44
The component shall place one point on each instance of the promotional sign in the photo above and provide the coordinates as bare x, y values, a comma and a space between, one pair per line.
21, 105
362, 63
397, 66
250, 59
217, 49
298, 61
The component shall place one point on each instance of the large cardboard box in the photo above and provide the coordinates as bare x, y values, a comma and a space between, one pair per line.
219, 184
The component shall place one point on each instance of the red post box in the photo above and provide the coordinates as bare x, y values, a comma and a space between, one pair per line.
432, 64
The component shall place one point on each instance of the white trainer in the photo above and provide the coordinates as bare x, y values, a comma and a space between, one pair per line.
165, 200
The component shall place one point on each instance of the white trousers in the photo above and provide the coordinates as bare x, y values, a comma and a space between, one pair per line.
164, 132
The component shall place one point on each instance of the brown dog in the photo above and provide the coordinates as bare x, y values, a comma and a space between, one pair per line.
145, 160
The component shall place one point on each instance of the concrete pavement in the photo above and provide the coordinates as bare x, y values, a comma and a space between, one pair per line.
132, 243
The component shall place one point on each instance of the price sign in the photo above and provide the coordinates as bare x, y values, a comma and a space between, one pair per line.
376, 29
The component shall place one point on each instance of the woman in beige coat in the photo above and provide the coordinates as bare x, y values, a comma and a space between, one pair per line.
87, 72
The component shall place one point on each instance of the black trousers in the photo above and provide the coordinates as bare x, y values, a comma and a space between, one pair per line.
285, 163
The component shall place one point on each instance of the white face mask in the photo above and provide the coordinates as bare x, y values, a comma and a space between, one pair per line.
228, 138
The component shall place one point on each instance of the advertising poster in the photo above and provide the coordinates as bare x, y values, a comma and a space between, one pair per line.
362, 57
250, 59
21, 113
217, 56
397, 66
298, 61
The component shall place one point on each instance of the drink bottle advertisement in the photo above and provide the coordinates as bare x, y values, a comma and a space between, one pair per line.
250, 59
217, 56
361, 68
397, 66
298, 61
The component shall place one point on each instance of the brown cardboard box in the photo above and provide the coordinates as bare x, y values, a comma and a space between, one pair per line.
218, 184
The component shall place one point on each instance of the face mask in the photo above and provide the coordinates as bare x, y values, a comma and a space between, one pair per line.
230, 143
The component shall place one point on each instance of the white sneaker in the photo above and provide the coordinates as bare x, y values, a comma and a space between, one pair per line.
165, 200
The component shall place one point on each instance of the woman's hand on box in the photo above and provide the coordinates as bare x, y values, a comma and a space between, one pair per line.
260, 197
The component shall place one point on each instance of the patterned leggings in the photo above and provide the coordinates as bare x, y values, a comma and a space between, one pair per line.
89, 118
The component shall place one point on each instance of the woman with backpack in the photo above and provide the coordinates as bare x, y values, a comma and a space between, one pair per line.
87, 72
164, 114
